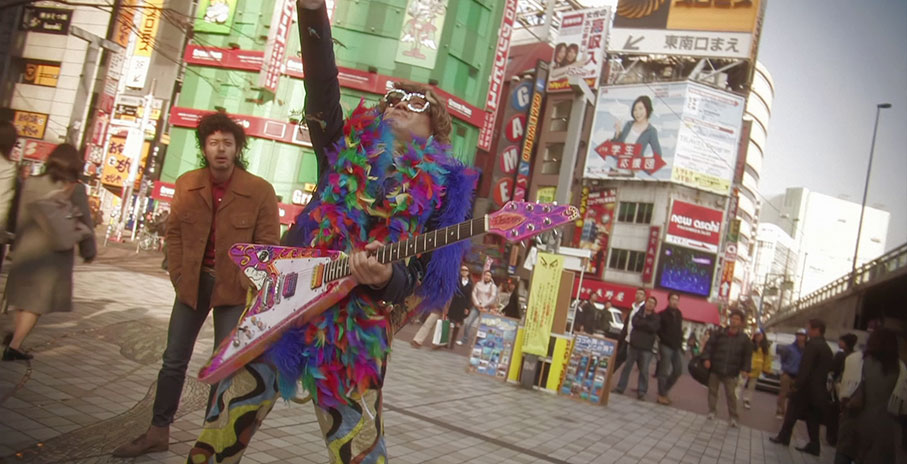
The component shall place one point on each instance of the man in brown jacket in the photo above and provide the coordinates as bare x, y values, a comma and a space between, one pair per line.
213, 208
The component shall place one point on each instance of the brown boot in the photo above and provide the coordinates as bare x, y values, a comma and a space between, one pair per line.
154, 440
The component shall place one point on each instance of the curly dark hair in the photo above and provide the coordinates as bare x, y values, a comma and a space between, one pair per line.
220, 122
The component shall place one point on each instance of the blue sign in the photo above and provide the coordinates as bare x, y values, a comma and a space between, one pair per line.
521, 96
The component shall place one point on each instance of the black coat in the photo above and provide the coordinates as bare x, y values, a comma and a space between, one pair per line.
461, 301
623, 332
645, 329
729, 355
670, 333
815, 365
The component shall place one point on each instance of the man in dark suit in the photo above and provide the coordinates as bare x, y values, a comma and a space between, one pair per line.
810, 397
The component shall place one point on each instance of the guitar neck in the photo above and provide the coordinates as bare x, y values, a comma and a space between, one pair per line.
419, 244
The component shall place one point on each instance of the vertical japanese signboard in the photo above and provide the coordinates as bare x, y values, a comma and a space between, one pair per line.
423, 23
140, 62
276, 47
709, 28
580, 48
593, 229
648, 269
118, 163
546, 278
532, 124
496, 79
215, 16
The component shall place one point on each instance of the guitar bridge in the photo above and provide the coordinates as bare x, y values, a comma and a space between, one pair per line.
318, 276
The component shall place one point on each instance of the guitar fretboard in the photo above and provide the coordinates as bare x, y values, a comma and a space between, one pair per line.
419, 244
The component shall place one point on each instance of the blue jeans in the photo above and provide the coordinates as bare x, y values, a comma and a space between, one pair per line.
670, 369
185, 324
470, 319
641, 358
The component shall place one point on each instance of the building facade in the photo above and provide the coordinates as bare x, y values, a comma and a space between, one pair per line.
824, 229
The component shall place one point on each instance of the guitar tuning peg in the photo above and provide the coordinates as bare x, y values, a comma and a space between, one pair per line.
530, 227
514, 233
547, 221
546, 209
530, 207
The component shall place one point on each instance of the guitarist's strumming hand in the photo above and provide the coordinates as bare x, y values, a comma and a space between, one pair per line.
367, 270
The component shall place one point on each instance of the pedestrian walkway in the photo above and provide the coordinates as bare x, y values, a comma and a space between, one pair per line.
90, 385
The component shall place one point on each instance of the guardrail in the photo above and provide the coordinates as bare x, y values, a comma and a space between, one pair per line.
866, 274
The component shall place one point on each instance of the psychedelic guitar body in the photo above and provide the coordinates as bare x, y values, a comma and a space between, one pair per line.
297, 284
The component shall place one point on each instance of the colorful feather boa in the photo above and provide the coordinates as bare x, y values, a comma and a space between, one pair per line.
372, 192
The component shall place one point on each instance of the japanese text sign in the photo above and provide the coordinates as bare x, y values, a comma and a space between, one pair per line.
648, 269
46, 20
30, 124
546, 278
580, 48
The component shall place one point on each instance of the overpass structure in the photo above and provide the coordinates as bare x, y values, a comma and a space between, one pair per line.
875, 293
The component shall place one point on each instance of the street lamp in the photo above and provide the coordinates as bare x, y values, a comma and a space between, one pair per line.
875, 130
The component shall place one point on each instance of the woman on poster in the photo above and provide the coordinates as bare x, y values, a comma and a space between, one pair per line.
639, 131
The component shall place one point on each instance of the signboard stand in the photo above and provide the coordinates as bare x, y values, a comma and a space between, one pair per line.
493, 348
587, 376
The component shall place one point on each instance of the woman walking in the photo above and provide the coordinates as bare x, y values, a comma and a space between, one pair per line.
762, 362
40, 277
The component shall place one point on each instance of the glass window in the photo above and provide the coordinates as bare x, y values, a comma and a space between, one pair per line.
560, 116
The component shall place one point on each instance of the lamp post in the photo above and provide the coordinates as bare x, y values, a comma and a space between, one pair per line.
872, 147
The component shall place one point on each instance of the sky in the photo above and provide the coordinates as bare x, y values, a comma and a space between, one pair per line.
832, 62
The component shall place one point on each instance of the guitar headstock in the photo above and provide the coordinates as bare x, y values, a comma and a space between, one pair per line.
519, 220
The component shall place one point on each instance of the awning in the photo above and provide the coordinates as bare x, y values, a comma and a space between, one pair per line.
694, 309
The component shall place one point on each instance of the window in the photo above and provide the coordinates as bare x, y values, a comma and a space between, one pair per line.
636, 213
560, 116
551, 160
627, 260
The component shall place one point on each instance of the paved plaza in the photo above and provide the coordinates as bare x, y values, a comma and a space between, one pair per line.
91, 384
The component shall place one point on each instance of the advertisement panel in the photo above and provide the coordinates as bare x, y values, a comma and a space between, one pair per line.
694, 226
41, 73
532, 123
215, 16
30, 124
423, 23
118, 163
36, 150
619, 295
707, 28
496, 79
681, 132
685, 270
140, 62
542, 303
588, 373
593, 229
651, 252
46, 20
276, 46
580, 48
512, 132
494, 344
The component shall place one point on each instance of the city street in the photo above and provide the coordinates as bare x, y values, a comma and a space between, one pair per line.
90, 386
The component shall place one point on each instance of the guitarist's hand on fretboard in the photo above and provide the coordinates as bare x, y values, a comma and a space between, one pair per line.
366, 269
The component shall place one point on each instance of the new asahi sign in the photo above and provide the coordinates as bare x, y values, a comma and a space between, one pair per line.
694, 226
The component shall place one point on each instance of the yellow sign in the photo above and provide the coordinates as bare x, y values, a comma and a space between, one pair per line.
713, 15
117, 163
28, 124
545, 194
546, 280
151, 15
41, 74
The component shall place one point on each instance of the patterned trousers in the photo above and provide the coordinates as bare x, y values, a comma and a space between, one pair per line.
353, 433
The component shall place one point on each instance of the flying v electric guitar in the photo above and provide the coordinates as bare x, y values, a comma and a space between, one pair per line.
296, 284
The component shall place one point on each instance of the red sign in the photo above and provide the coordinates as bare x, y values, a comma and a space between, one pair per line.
629, 157
36, 150
648, 269
288, 213
276, 46
694, 226
515, 128
502, 191
619, 295
163, 191
593, 230
245, 60
496, 80
510, 158
264, 128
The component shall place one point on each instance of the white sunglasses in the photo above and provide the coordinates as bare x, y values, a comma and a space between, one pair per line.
415, 102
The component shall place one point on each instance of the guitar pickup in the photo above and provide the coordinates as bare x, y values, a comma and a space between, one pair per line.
289, 285
318, 276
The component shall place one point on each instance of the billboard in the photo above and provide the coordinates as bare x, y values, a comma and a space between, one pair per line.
276, 46
593, 229
423, 23
579, 49
496, 79
694, 226
215, 16
685, 270
140, 61
707, 28
540, 310
532, 124
681, 132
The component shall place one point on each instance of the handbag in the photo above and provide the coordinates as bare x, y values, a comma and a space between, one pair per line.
698, 371
57, 216
442, 332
